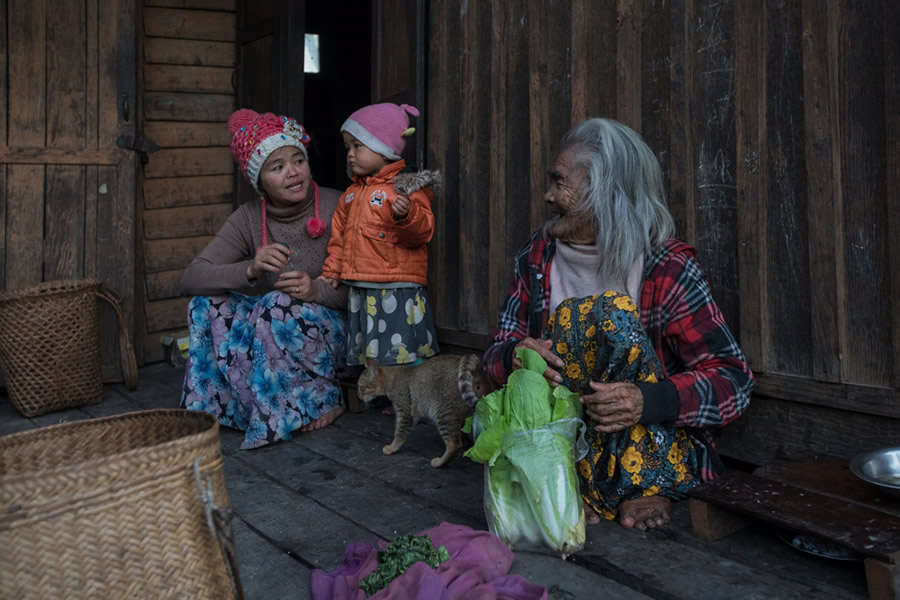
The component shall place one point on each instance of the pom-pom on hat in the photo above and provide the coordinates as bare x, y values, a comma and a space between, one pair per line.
382, 127
255, 136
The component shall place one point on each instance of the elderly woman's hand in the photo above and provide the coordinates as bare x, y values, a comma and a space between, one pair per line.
542, 347
614, 406
271, 258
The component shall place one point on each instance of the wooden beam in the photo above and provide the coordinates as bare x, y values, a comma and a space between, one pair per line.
820, 167
681, 75
190, 24
710, 522
185, 221
628, 63
892, 134
581, 60
180, 134
226, 5
882, 579
168, 192
749, 102
19, 155
163, 255
26, 124
177, 106
4, 110
497, 199
166, 314
181, 162
189, 52
773, 428
539, 109
463, 339
164, 284
861, 124
854, 398
183, 78
475, 129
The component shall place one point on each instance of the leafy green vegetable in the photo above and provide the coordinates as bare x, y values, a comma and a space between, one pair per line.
525, 434
401, 554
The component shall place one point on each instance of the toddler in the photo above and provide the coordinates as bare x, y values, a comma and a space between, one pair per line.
379, 236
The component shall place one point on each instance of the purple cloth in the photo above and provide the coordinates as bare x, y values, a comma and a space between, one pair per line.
477, 570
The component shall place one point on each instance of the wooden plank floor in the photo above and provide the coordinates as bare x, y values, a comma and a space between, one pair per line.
298, 503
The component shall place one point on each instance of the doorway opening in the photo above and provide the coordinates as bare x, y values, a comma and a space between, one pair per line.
342, 85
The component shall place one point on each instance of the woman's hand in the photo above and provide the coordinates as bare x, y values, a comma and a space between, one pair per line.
271, 258
614, 406
297, 284
400, 207
542, 347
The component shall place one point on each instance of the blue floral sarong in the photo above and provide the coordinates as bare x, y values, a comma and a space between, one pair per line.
263, 364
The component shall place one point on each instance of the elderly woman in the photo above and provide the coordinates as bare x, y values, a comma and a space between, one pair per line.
623, 315
266, 337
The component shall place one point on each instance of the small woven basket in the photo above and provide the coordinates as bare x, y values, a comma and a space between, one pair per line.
130, 506
50, 345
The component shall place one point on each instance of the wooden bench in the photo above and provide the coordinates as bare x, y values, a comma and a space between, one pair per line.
821, 498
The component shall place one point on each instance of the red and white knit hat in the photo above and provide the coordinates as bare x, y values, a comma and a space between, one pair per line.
255, 136
382, 127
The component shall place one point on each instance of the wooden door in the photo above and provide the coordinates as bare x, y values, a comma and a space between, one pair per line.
398, 63
67, 190
270, 63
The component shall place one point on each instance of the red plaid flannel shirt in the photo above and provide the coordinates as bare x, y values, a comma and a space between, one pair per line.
707, 381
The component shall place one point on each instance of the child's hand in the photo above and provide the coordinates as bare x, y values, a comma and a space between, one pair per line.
332, 282
401, 207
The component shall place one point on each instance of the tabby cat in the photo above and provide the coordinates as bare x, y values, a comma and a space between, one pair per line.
443, 389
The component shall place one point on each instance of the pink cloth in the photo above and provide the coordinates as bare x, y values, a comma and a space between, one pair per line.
477, 570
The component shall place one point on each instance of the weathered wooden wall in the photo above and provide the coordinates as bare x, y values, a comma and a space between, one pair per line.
776, 123
187, 65
67, 94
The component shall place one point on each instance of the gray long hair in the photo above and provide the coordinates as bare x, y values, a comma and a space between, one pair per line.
623, 194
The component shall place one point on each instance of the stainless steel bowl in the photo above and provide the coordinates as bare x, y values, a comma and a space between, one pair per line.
881, 468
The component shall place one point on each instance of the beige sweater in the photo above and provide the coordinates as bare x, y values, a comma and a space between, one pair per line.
222, 265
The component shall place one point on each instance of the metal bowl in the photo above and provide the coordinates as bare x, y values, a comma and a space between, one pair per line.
881, 468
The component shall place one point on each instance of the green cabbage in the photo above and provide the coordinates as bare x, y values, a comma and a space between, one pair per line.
526, 434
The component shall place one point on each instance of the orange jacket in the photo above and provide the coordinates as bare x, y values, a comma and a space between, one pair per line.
367, 243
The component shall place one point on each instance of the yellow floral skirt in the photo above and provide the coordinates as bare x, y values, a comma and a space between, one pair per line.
600, 338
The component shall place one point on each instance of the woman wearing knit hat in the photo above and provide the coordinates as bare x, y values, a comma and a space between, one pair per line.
265, 335
378, 245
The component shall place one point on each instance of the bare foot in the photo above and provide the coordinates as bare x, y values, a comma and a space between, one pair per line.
590, 515
326, 419
645, 513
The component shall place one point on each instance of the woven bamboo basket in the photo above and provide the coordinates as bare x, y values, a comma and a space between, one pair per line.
50, 345
130, 506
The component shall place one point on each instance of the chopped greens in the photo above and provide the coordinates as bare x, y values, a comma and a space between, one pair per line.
400, 555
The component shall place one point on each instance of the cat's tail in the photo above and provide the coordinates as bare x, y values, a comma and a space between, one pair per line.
469, 366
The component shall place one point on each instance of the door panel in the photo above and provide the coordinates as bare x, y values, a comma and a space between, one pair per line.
67, 191
398, 63
270, 63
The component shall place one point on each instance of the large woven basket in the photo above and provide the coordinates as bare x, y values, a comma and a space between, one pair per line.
50, 345
131, 506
